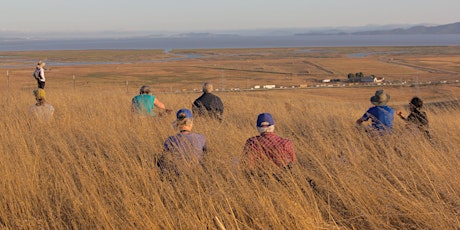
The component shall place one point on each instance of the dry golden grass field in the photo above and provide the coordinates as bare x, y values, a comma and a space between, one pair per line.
94, 165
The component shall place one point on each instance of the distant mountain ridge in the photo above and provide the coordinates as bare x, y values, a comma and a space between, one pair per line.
453, 28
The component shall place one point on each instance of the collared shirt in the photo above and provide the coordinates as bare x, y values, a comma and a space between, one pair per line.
269, 146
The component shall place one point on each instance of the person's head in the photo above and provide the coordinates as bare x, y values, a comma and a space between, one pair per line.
265, 123
380, 98
184, 120
416, 102
41, 64
145, 89
207, 87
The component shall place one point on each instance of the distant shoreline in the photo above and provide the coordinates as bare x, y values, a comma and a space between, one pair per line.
232, 42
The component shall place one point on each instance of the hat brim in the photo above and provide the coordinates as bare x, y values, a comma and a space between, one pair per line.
375, 100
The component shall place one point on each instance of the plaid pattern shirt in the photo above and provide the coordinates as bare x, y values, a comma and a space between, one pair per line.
269, 146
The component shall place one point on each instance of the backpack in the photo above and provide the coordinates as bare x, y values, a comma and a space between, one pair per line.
36, 74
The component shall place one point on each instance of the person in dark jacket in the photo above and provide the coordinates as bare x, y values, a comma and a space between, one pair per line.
417, 118
208, 104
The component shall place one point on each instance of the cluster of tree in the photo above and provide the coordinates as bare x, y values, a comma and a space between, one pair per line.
356, 77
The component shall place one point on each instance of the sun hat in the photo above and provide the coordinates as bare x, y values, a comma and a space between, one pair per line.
183, 113
265, 119
41, 63
39, 93
380, 98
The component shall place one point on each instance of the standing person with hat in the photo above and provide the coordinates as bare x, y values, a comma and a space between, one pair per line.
268, 146
42, 109
382, 116
208, 104
417, 118
144, 103
39, 74
187, 146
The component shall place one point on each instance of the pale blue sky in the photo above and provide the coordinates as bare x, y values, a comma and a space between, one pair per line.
208, 15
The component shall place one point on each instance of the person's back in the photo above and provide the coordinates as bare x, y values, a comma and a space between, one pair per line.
382, 117
208, 104
269, 146
143, 104
186, 146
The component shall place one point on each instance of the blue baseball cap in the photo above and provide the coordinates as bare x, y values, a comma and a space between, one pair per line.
265, 119
184, 113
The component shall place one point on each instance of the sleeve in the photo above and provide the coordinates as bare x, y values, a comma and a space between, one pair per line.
249, 153
195, 107
220, 106
167, 144
289, 148
366, 115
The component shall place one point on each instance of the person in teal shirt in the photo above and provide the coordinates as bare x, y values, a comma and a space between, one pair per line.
144, 103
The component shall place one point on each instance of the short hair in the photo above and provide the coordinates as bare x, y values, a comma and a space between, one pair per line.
417, 102
266, 129
184, 123
145, 89
207, 87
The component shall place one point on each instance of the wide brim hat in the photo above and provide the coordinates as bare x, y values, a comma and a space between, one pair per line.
380, 98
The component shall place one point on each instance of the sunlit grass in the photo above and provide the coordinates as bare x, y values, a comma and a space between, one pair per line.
94, 166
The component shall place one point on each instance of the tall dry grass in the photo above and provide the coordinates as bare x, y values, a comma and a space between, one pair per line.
94, 166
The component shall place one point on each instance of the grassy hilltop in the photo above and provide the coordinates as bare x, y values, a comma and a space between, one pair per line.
94, 166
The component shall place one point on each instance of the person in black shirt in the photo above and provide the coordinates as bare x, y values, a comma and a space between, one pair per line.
208, 104
417, 117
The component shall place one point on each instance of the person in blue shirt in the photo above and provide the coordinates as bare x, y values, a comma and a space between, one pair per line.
144, 103
187, 146
382, 116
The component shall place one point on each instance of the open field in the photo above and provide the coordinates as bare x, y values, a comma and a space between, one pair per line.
94, 166
233, 68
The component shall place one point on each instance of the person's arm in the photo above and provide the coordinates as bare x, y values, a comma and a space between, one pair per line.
291, 153
160, 105
399, 113
359, 121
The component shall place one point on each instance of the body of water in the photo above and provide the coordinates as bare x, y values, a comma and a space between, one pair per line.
233, 42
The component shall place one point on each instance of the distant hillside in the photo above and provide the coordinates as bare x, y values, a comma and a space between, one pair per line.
453, 28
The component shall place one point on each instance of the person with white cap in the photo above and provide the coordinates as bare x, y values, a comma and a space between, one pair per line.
382, 116
186, 145
268, 146
42, 109
144, 103
39, 74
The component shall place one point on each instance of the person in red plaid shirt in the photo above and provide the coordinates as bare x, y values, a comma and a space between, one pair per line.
268, 147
